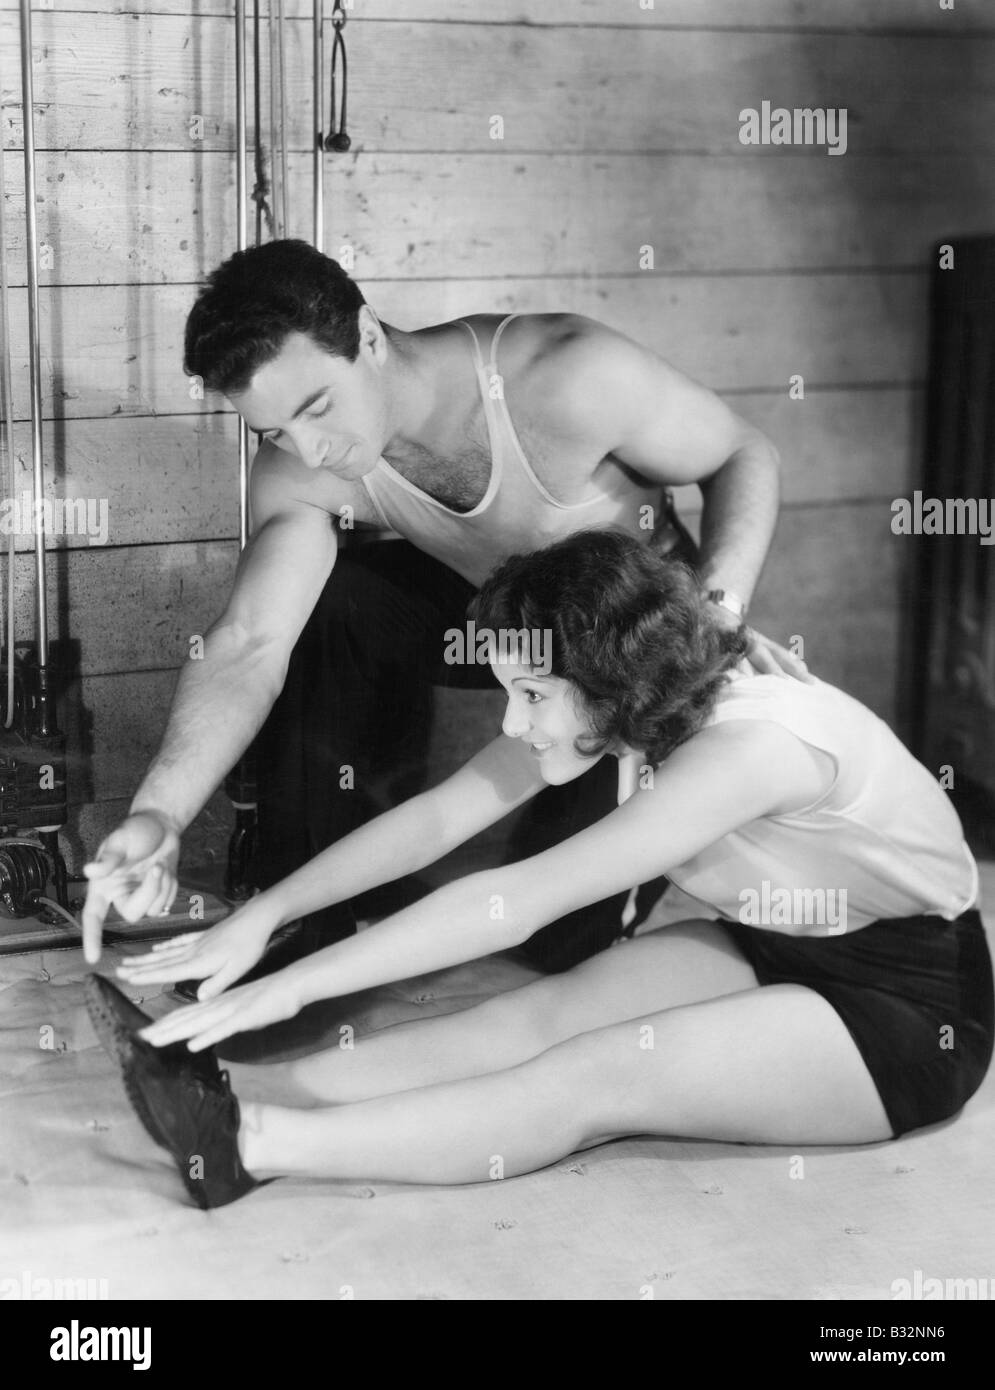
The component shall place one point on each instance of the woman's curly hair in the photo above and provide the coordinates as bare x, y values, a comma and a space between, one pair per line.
630, 630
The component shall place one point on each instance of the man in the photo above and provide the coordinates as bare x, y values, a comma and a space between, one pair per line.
473, 439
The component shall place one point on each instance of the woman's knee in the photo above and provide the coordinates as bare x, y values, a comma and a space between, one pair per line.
592, 1076
529, 1013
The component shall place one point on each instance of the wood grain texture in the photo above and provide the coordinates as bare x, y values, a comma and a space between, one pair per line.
106, 81
122, 218
167, 478
131, 609
841, 446
969, 17
116, 350
113, 725
832, 577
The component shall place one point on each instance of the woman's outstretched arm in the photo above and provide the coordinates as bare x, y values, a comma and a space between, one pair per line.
722, 778
500, 777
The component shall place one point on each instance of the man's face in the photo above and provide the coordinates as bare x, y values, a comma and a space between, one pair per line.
327, 411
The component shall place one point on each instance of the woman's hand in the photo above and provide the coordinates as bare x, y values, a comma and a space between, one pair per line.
219, 956
249, 1006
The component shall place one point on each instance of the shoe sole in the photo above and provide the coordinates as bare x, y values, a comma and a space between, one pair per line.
121, 1044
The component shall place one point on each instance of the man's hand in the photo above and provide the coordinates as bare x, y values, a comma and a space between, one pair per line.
764, 656
219, 956
135, 869
769, 659
249, 1006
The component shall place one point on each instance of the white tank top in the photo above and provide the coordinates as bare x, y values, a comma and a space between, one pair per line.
884, 832
517, 513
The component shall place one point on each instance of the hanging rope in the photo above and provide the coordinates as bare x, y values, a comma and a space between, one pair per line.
337, 138
261, 190
278, 120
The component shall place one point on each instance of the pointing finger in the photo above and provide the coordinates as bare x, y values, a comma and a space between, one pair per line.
104, 864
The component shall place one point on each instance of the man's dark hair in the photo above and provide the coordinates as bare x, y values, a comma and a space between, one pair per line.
630, 630
256, 299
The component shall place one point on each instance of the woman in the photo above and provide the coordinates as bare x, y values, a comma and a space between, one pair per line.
844, 996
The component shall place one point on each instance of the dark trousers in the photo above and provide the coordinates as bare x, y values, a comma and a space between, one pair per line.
348, 736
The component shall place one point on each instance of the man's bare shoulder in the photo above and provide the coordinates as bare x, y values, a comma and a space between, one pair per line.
536, 338
573, 365
280, 482
531, 339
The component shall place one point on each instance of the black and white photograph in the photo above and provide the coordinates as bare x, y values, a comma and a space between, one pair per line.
497, 662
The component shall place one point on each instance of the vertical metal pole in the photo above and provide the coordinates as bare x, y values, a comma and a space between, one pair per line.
240, 784
31, 247
6, 392
240, 136
243, 238
284, 182
318, 168
257, 117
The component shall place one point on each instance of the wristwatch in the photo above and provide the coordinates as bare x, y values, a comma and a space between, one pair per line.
725, 598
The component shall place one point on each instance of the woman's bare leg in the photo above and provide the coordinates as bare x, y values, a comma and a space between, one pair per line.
774, 1065
681, 964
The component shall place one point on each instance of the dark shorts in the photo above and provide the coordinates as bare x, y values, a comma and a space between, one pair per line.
915, 993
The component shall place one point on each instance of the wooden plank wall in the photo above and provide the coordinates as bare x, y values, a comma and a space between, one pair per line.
620, 131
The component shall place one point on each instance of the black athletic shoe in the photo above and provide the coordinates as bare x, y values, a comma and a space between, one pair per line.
183, 1098
198, 1120
117, 1022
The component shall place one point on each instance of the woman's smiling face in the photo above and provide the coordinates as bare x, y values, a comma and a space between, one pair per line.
547, 713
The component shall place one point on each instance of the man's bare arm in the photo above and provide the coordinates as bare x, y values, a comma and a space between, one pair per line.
222, 699
641, 411
738, 517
